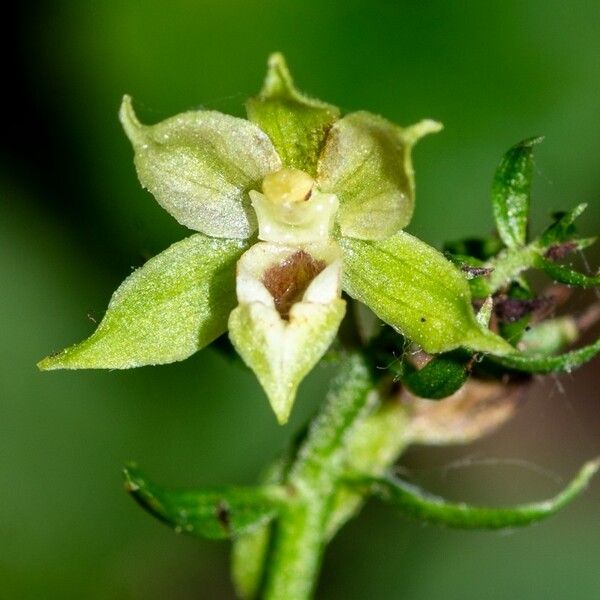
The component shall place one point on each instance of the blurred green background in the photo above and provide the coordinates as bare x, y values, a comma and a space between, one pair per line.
73, 222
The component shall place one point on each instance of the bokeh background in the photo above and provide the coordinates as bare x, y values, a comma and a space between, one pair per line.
74, 222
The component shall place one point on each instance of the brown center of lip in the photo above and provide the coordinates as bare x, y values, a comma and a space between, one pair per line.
287, 281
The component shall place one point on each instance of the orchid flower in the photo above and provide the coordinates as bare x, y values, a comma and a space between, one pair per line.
290, 208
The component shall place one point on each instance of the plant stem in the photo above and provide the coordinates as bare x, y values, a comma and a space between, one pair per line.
295, 559
300, 533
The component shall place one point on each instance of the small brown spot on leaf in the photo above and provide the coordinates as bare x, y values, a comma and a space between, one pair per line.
559, 251
287, 281
223, 515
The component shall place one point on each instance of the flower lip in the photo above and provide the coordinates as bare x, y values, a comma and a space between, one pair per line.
281, 276
288, 280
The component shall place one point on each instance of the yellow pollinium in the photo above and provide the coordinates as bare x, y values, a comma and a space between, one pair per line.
287, 185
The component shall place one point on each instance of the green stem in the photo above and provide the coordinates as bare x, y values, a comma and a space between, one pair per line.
508, 265
301, 531
356, 432
298, 546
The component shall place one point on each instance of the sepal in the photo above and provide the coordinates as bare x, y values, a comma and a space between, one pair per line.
289, 313
412, 287
166, 310
296, 124
200, 166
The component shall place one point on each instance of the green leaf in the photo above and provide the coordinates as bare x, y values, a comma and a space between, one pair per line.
433, 509
214, 513
200, 167
439, 378
412, 287
562, 229
366, 163
562, 274
511, 192
549, 364
296, 124
174, 305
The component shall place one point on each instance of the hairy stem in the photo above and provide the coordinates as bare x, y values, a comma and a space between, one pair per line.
301, 531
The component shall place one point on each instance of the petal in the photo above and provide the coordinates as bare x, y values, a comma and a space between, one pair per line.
281, 353
289, 313
413, 288
296, 124
200, 167
174, 305
366, 162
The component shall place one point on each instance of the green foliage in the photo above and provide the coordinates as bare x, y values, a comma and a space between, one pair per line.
562, 274
433, 509
563, 229
330, 219
174, 305
566, 362
211, 513
511, 193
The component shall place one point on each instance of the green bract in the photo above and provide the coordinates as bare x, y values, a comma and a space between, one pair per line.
327, 196
511, 192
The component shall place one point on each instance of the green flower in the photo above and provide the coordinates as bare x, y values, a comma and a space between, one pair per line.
291, 207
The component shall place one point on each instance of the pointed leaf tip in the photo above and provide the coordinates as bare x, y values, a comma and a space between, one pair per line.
214, 513
426, 507
412, 134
